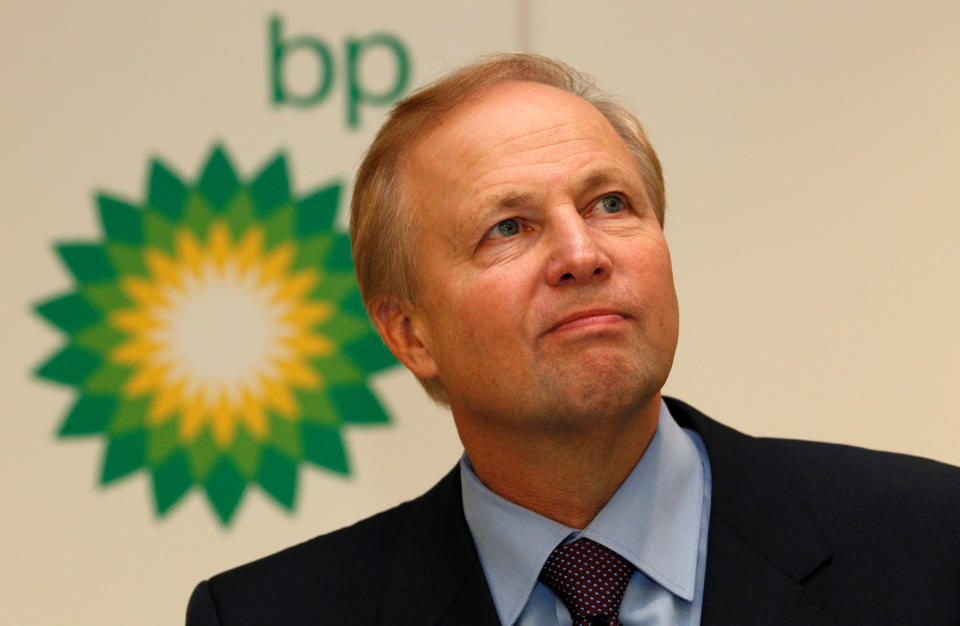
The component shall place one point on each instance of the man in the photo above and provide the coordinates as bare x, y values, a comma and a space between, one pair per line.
506, 229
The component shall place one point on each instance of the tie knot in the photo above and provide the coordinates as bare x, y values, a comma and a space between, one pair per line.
589, 578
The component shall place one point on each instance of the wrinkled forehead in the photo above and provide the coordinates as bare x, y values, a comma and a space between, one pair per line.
511, 118
503, 125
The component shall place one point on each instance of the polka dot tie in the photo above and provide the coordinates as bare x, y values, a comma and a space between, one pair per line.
590, 579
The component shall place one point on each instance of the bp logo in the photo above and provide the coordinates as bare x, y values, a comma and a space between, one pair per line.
215, 336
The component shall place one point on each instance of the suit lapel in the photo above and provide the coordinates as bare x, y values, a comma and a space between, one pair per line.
435, 576
472, 603
744, 588
763, 541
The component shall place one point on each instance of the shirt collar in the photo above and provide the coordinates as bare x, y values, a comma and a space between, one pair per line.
653, 520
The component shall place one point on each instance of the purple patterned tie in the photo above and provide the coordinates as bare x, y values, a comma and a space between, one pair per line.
590, 579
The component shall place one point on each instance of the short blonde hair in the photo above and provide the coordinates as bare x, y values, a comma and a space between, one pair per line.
383, 230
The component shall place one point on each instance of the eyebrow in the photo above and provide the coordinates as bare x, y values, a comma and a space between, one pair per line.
510, 200
607, 176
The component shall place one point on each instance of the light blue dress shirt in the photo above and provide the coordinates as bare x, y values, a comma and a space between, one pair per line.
657, 520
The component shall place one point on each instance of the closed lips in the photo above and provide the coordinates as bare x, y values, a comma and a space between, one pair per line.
584, 318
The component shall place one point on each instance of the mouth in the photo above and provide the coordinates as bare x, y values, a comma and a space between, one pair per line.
588, 318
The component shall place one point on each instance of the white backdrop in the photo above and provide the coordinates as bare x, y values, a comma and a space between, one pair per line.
810, 157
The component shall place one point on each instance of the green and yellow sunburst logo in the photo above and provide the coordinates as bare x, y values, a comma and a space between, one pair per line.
216, 337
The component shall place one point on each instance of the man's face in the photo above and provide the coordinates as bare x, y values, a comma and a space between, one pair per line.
546, 291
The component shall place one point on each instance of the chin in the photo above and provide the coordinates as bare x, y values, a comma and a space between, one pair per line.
607, 391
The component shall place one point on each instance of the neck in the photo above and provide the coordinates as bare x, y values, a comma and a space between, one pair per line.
565, 475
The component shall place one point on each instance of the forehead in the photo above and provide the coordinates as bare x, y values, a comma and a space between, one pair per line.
513, 122
513, 137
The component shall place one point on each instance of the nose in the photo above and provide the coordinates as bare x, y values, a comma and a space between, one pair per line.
576, 256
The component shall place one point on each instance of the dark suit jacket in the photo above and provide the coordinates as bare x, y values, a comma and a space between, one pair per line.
800, 533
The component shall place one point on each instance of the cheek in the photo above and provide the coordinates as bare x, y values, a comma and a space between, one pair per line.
652, 273
660, 271
668, 314
491, 310
494, 307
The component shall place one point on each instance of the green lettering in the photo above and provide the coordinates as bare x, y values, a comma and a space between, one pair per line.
356, 93
279, 52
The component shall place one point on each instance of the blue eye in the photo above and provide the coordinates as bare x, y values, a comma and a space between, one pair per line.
609, 204
506, 228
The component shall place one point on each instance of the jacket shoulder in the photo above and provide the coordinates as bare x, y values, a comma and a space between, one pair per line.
288, 587
350, 575
846, 476
892, 522
856, 478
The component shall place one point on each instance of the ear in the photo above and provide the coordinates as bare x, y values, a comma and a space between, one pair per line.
404, 337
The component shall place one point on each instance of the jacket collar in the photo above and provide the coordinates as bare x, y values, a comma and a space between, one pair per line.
435, 576
764, 540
